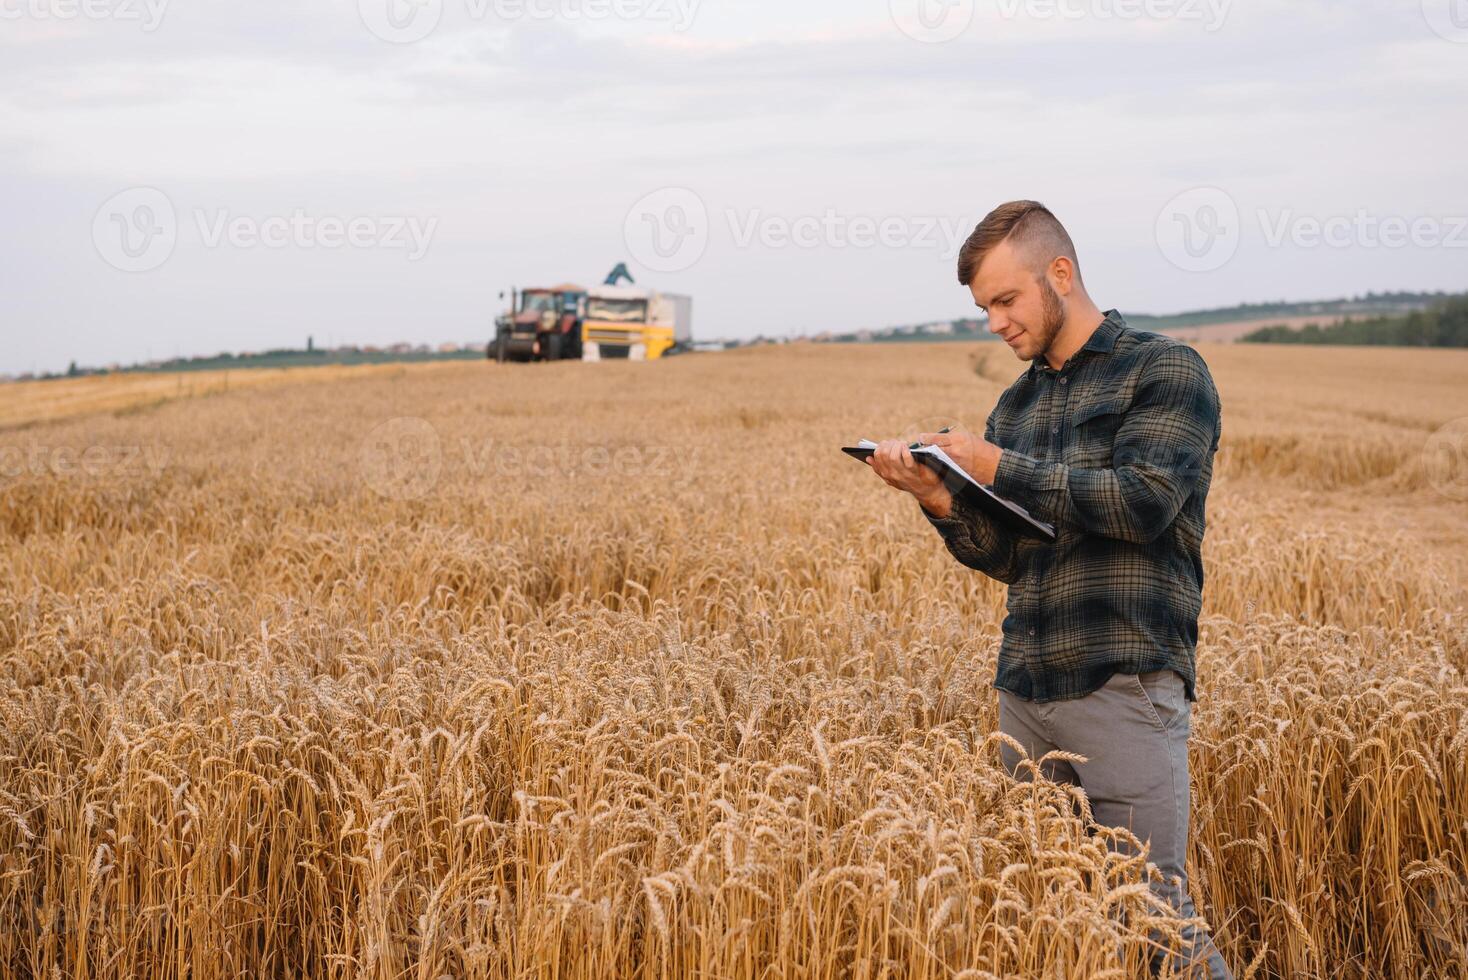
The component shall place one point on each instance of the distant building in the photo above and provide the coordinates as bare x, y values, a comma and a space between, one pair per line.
449, 348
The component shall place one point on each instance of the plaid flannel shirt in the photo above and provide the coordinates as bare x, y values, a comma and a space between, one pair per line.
1116, 450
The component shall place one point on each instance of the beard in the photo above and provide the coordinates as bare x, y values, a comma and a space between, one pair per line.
1053, 311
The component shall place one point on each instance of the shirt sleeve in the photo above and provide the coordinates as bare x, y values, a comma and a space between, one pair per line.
974, 538
1158, 456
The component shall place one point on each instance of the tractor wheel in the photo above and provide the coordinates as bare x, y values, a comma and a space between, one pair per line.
550, 347
502, 347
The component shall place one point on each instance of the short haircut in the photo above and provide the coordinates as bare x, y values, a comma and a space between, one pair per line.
1038, 237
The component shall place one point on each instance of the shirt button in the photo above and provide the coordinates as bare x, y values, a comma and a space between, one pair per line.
1032, 631
1064, 380
1054, 427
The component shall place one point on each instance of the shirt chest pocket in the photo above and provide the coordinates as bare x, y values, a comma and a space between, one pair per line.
1093, 427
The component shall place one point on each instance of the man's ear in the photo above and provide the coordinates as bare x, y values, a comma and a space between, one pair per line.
1062, 274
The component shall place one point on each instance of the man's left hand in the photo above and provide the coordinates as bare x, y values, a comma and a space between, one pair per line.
978, 457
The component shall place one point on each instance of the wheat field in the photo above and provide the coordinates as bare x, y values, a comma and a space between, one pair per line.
622, 670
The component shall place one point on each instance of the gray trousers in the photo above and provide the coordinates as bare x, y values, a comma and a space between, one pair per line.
1134, 733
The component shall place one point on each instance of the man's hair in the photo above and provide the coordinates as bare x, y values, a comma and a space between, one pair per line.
1036, 234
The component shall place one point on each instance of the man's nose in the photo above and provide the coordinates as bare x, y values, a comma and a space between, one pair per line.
996, 325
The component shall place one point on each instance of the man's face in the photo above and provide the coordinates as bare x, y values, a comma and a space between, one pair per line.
1024, 310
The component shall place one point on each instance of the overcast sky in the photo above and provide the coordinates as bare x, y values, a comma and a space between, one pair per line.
191, 176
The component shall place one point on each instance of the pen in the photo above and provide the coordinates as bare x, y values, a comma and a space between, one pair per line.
919, 443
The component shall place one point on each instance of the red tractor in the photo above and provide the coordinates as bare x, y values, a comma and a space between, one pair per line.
542, 325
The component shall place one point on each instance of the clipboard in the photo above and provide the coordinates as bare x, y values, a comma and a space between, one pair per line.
1006, 512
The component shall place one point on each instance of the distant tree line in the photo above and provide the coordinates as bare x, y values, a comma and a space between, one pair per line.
1443, 324
1367, 304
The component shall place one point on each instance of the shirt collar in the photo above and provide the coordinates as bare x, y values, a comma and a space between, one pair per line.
1101, 341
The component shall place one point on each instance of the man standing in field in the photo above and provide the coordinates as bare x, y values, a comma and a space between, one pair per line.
1110, 436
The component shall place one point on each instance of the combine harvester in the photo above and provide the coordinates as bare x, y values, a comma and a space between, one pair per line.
606, 322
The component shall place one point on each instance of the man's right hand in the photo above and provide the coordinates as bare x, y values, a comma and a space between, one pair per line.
893, 462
